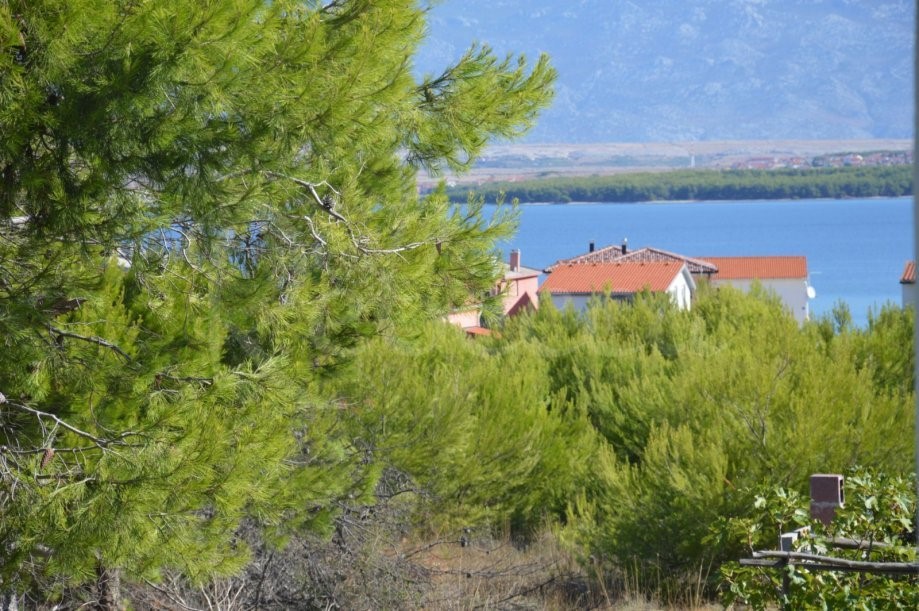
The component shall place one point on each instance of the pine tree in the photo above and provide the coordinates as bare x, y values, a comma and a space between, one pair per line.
204, 206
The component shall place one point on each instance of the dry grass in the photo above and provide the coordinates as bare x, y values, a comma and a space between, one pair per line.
488, 573
373, 564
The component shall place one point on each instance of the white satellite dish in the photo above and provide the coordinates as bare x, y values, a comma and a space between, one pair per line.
811, 293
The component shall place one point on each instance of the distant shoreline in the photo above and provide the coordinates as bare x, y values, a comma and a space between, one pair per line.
701, 201
517, 162
852, 181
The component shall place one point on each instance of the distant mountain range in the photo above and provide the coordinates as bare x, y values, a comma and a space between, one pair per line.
688, 70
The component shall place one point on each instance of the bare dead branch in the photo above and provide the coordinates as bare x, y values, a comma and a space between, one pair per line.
841, 563
171, 596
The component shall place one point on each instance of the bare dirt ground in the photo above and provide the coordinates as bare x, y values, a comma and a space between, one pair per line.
524, 161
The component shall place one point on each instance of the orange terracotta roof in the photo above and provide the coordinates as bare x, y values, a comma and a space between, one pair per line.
909, 273
610, 254
623, 277
477, 331
760, 268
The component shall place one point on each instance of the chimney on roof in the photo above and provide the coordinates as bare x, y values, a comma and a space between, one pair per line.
592, 246
515, 260
625, 245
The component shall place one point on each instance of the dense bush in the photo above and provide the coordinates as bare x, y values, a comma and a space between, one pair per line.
477, 429
698, 406
638, 428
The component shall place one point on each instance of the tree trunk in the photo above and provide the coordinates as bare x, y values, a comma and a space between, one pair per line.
9, 601
108, 588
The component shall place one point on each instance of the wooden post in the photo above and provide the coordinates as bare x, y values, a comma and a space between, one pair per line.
786, 584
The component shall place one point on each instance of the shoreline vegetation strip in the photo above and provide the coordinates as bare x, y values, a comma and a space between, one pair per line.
694, 185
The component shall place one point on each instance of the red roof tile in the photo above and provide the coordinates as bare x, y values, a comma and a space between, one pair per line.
477, 331
909, 273
760, 268
624, 277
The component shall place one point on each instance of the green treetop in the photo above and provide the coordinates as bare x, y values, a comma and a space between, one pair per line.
204, 204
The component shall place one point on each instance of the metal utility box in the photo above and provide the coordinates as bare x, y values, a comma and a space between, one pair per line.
826, 495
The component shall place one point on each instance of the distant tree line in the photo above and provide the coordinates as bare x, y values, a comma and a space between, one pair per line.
885, 181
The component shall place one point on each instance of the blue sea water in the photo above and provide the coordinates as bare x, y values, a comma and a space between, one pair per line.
855, 248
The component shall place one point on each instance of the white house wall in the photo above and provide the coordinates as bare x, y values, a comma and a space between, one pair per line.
680, 292
909, 295
792, 292
579, 302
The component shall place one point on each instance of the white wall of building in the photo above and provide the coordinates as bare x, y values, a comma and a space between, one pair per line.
563, 300
909, 294
680, 290
792, 292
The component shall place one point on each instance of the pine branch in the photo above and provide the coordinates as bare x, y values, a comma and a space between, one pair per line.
194, 379
99, 442
328, 204
316, 235
91, 339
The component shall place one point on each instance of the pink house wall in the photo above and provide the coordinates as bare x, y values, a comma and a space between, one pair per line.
521, 290
518, 289
464, 318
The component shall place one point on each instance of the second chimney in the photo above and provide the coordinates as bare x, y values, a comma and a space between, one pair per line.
515, 260
592, 246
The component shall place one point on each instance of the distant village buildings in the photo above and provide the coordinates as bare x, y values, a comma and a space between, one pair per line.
785, 275
836, 160
519, 286
619, 273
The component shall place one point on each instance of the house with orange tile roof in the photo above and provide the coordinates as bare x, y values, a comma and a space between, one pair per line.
908, 284
576, 283
518, 289
786, 276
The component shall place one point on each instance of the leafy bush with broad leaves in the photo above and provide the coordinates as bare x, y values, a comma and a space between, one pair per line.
878, 519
